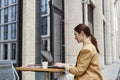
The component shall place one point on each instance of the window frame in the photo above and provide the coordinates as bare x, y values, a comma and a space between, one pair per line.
0, 3
6, 11
45, 6
6, 2
0, 32
46, 48
13, 1
48, 27
11, 56
5, 32
13, 31
5, 55
13, 12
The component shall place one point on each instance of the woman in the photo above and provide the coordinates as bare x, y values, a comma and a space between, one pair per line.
87, 65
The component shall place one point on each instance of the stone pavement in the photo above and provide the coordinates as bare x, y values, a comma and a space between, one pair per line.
110, 72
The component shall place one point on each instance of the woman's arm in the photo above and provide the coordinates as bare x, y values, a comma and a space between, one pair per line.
83, 62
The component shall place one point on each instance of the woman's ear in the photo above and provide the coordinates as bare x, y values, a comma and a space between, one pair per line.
82, 33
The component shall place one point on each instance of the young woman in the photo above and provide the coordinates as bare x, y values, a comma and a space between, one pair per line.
87, 65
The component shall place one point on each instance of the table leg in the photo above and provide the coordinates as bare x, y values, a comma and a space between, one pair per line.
47, 75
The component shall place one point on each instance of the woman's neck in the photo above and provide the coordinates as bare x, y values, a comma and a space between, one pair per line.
86, 40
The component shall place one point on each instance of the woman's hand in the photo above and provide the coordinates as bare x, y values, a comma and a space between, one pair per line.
60, 64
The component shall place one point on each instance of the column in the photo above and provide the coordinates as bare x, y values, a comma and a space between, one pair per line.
117, 19
28, 41
113, 31
98, 29
108, 49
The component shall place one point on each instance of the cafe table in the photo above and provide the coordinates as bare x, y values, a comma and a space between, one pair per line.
40, 69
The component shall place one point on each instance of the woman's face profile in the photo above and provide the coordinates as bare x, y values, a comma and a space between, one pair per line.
78, 36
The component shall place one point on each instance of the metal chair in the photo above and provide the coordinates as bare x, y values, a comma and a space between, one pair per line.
118, 75
7, 70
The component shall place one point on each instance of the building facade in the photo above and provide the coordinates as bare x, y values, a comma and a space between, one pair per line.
9, 30
28, 27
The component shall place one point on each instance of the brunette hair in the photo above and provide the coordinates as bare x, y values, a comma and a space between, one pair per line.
86, 30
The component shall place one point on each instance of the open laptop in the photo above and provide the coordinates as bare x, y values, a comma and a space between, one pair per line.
48, 56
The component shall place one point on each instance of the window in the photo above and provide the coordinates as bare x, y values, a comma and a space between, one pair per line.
5, 51
6, 15
103, 6
0, 51
44, 6
6, 2
0, 3
13, 1
44, 25
44, 45
5, 32
13, 31
0, 33
90, 18
13, 51
0, 16
13, 13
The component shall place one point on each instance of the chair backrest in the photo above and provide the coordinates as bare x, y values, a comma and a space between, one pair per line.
7, 70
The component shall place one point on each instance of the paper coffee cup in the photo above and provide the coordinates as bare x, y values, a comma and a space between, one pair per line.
45, 65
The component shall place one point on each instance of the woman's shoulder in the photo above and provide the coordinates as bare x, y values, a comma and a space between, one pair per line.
88, 47
86, 52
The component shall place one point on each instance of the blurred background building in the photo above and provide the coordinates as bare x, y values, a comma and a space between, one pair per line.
28, 27
9, 30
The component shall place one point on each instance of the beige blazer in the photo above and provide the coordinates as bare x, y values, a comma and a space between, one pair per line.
87, 64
